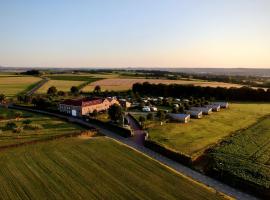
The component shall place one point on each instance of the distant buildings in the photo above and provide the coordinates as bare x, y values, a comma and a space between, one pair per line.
84, 106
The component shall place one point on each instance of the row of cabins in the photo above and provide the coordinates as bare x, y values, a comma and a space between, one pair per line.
198, 112
85, 106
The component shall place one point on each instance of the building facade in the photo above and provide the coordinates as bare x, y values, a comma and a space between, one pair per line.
84, 106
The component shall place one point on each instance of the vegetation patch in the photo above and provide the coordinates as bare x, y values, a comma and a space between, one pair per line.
90, 169
199, 134
20, 127
11, 86
61, 85
245, 157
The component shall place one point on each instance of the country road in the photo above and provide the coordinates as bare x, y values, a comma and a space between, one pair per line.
39, 85
215, 184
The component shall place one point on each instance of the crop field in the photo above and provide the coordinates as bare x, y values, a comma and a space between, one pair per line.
197, 135
73, 78
63, 85
247, 154
41, 127
11, 86
120, 84
92, 168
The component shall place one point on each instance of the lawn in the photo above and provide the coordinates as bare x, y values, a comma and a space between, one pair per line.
48, 127
63, 85
121, 84
11, 86
196, 136
246, 155
93, 168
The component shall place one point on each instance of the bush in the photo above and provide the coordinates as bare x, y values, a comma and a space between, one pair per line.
27, 121
10, 126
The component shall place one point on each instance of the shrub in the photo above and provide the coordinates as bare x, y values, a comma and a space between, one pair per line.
27, 121
10, 126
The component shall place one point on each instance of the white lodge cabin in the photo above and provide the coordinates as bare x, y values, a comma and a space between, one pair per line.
197, 114
184, 118
84, 106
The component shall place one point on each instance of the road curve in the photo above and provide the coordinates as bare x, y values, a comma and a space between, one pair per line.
215, 184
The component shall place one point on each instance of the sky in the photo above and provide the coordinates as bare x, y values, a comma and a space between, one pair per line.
135, 33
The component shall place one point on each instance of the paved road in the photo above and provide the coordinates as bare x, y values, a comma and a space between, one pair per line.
39, 85
139, 134
217, 185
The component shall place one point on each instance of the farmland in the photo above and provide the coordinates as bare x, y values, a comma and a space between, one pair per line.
41, 127
120, 84
11, 86
63, 85
193, 138
93, 168
73, 78
246, 155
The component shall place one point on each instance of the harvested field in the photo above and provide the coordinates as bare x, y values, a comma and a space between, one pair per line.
98, 168
11, 86
120, 84
63, 85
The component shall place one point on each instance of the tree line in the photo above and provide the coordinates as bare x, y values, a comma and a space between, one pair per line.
185, 91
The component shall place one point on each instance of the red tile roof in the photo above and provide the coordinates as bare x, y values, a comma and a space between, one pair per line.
83, 101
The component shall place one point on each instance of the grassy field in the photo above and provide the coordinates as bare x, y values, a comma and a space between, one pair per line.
193, 138
73, 77
247, 154
120, 84
93, 168
11, 86
48, 127
63, 85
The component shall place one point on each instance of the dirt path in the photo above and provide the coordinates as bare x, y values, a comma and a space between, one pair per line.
39, 85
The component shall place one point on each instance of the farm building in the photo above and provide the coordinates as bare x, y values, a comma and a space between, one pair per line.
205, 111
197, 114
222, 104
184, 118
146, 109
214, 107
84, 106
124, 103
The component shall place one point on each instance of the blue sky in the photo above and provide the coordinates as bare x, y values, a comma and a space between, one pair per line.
135, 33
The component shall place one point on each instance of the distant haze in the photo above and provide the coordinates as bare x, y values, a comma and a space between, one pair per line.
135, 33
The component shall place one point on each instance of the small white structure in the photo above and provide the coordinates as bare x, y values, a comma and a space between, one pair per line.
215, 108
197, 114
154, 109
205, 111
74, 113
222, 104
184, 118
146, 109
178, 100
176, 105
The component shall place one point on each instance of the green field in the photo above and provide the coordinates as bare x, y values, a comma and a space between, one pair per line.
73, 78
93, 168
196, 136
48, 127
11, 86
246, 155
63, 85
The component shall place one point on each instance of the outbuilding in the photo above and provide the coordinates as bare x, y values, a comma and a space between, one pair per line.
205, 111
184, 118
196, 114
215, 108
222, 104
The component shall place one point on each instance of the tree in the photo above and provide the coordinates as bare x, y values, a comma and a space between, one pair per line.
74, 90
27, 121
10, 126
115, 112
160, 115
97, 89
61, 93
142, 120
52, 90
94, 113
2, 98
18, 114
150, 116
